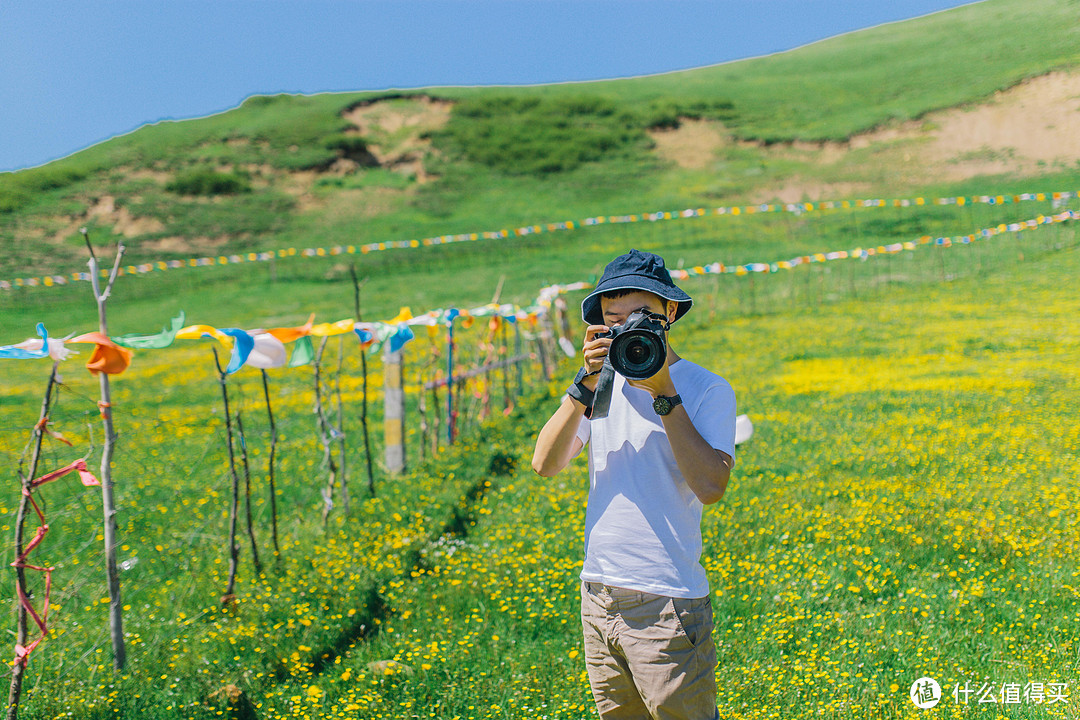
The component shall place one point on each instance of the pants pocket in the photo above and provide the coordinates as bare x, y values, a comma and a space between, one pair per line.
694, 618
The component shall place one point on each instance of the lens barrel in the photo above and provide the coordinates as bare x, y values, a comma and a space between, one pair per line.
638, 354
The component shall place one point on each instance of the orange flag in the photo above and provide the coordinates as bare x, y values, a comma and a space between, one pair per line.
288, 335
108, 357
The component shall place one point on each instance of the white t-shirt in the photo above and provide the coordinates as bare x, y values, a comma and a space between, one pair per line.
643, 522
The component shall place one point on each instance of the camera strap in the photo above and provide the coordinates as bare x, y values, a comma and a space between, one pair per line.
602, 395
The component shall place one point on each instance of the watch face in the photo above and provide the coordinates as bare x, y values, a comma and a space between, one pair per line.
662, 405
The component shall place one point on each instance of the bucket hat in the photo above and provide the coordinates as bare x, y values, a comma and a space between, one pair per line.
636, 270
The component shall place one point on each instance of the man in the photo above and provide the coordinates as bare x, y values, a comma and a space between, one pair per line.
664, 450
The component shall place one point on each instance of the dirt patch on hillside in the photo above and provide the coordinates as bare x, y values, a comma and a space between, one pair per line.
356, 204
692, 145
801, 190
1036, 122
299, 184
184, 245
396, 130
121, 220
1031, 125
1029, 128
157, 176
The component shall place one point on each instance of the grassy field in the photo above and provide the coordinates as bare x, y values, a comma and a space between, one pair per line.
904, 509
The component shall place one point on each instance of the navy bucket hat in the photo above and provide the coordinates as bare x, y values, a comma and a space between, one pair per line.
636, 270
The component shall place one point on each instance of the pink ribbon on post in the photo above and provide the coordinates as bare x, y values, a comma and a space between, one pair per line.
22, 653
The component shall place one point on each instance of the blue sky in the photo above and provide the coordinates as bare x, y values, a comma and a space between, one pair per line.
74, 73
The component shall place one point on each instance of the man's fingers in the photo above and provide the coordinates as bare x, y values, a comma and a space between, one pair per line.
593, 330
597, 348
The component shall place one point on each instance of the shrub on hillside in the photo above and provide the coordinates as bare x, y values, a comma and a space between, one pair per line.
19, 189
668, 114
208, 182
352, 148
539, 136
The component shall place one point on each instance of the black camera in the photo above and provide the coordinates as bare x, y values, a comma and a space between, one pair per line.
638, 348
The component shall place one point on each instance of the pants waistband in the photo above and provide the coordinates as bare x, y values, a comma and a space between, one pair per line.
613, 596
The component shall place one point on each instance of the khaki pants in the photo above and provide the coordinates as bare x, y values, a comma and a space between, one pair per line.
649, 656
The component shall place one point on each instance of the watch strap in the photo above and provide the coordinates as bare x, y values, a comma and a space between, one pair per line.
671, 402
579, 392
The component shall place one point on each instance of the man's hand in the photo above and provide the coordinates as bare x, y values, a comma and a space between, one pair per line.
658, 384
594, 351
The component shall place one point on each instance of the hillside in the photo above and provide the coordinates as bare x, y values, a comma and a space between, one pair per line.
858, 114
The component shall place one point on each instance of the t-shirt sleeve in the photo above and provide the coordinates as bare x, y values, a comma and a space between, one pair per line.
715, 418
584, 432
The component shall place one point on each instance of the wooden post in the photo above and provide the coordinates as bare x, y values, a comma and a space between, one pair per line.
19, 670
394, 410
247, 493
325, 436
364, 380
116, 605
543, 335
541, 353
564, 318
341, 429
451, 429
234, 547
438, 421
517, 354
273, 449
503, 356
422, 409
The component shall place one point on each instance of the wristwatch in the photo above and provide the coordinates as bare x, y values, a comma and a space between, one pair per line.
663, 404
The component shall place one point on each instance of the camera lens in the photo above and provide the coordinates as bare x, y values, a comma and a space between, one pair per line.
638, 354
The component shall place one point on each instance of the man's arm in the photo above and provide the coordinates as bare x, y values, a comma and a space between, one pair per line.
705, 469
558, 442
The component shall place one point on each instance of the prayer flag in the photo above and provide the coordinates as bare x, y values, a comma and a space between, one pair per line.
241, 349
108, 357
303, 352
337, 328
287, 335
163, 339
268, 352
26, 350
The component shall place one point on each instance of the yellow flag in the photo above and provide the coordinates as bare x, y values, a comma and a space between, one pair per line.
335, 328
194, 332
403, 315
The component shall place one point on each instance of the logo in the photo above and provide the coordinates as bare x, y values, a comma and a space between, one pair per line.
925, 693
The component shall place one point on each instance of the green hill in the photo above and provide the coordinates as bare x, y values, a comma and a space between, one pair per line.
288, 171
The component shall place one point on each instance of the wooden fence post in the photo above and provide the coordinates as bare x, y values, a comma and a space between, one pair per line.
234, 547
112, 571
364, 374
394, 410
19, 669
451, 425
564, 319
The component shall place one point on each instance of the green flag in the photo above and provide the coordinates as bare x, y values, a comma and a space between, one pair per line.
153, 342
303, 352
